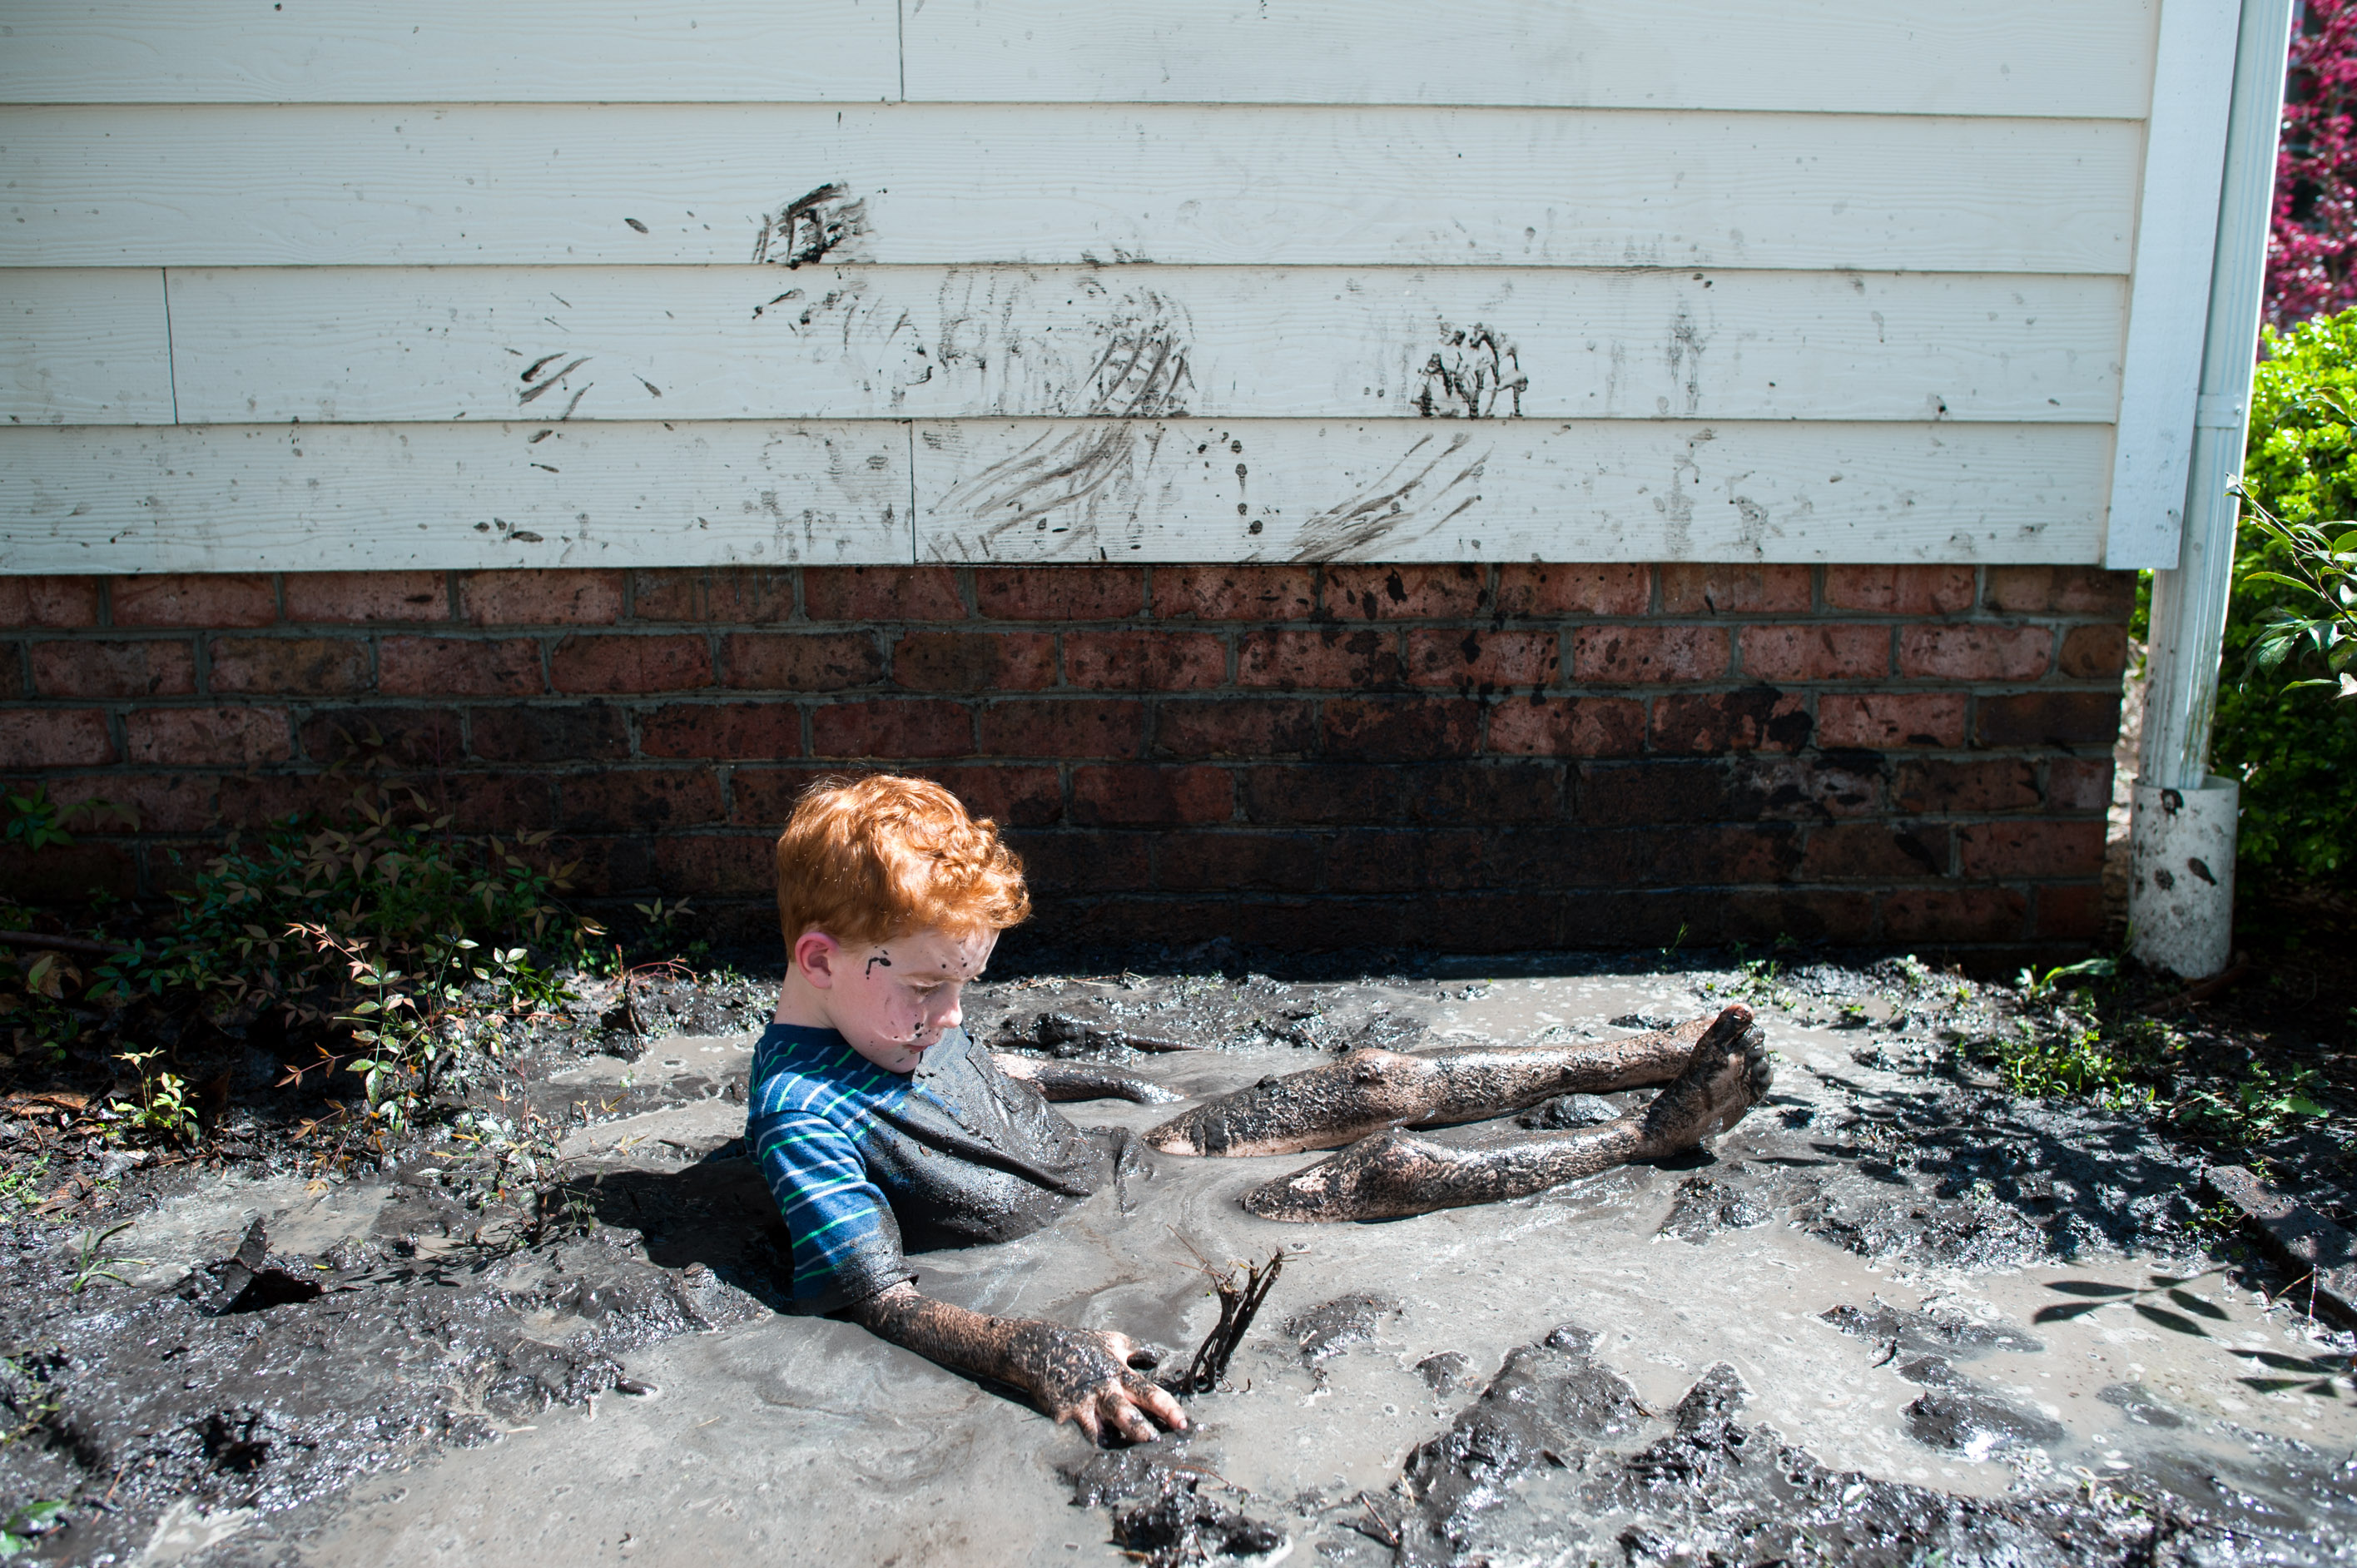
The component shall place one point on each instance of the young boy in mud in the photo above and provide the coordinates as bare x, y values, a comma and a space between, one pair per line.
870, 1109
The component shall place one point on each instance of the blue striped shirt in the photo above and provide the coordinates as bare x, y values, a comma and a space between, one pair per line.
957, 1150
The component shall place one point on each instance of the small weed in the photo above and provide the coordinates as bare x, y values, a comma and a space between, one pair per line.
163, 1110
2262, 1105
95, 1263
28, 1523
32, 820
22, 1185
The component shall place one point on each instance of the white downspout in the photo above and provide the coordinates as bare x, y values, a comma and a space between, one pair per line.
2181, 841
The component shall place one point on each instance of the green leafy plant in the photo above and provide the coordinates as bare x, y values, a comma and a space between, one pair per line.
163, 1110
28, 1522
2259, 1107
2321, 618
35, 822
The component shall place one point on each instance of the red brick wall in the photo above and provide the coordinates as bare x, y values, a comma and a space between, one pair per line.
1474, 757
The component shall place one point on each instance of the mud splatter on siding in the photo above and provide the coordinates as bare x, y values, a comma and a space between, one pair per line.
810, 227
1474, 370
1415, 495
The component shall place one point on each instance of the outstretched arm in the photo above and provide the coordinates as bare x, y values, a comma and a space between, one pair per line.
1080, 1375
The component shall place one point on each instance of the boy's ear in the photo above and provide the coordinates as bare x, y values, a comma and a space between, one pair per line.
814, 954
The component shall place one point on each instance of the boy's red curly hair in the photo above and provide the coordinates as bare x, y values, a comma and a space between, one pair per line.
867, 860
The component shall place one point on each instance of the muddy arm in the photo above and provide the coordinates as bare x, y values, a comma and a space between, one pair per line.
1078, 1375
1082, 1081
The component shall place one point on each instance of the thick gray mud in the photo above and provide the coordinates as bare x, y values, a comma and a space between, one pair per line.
1893, 1317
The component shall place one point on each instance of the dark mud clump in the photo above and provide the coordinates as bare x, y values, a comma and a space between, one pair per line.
1162, 1514
1557, 1459
1928, 1332
1703, 1206
1446, 1373
1566, 1111
1331, 1327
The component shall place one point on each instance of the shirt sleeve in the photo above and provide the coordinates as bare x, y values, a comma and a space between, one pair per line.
846, 1246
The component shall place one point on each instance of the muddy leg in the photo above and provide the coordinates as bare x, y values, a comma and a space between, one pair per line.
1368, 1090
1393, 1174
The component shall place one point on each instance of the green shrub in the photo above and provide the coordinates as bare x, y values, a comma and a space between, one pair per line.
2292, 745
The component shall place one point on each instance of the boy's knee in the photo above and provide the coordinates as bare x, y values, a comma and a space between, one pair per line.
1373, 1064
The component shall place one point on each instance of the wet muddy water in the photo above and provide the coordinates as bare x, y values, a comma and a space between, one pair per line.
2026, 1356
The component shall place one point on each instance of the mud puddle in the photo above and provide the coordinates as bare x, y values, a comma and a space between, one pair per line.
1895, 1315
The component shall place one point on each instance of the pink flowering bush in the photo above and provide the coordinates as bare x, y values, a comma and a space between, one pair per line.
2312, 241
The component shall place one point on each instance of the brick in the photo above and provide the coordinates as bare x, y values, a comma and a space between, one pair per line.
2072, 912
621, 865
1891, 721
1405, 592
588, 732
413, 737
2069, 590
272, 800
1568, 726
1481, 795
728, 595
975, 662
1059, 592
291, 666
631, 664
1400, 729
458, 667
493, 802
1207, 863
2049, 718
752, 732
12, 672
1063, 730
1233, 593
1759, 915
766, 796
1817, 651
1317, 795
1971, 652
1930, 914
1614, 794
54, 737
2040, 849
881, 594
216, 737
197, 600
637, 800
717, 866
1648, 654
1689, 588
47, 604
1756, 718
1999, 784
1156, 661
1246, 728
157, 668
891, 729
541, 597
1378, 860
1527, 590
1900, 590
1144, 795
159, 803
800, 661
1875, 851
2094, 652
1313, 660
1487, 659
2078, 783
1818, 787
360, 597
1067, 863
1694, 856
66, 874
1012, 797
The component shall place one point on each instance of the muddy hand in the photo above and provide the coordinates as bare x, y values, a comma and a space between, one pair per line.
1091, 1378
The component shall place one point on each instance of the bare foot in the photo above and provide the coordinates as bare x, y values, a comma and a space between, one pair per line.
1726, 1077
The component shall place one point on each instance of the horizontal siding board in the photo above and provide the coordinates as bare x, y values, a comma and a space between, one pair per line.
516, 51
2002, 56
1507, 490
234, 186
362, 345
224, 498
85, 348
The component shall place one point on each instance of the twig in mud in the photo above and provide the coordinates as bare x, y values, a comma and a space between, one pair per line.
1239, 1302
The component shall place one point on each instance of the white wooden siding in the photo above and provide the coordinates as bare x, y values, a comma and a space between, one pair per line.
837, 280
85, 348
2089, 57
694, 343
2074, 58
563, 185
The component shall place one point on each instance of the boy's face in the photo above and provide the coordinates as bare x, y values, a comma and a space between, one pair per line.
893, 1000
